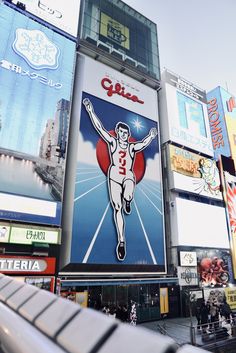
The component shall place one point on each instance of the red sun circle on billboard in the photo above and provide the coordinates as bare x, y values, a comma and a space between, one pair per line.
104, 162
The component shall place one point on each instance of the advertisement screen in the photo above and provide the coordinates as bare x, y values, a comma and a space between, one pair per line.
57, 13
193, 173
184, 115
214, 267
36, 73
114, 31
202, 225
216, 116
118, 210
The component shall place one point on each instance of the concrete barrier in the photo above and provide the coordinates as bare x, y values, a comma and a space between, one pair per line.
33, 320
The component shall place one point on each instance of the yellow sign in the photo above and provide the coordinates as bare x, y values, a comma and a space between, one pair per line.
184, 162
114, 30
82, 298
231, 297
164, 301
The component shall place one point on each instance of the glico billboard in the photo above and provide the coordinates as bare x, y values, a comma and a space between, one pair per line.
118, 204
36, 74
222, 117
183, 113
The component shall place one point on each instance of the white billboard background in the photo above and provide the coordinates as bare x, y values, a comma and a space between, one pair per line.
60, 13
198, 225
128, 86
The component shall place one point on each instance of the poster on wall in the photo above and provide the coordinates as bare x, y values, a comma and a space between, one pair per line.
118, 210
214, 267
36, 74
193, 173
57, 13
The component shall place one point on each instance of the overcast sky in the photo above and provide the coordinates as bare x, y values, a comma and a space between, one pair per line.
197, 39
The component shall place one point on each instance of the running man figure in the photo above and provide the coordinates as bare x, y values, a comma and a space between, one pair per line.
121, 178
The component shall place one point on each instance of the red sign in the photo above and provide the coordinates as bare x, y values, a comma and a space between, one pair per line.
27, 264
118, 89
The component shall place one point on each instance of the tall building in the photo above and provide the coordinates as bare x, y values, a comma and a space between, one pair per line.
113, 249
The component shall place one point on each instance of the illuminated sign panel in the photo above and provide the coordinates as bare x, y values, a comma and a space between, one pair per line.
193, 173
216, 115
27, 264
30, 235
27, 235
114, 30
36, 75
199, 216
57, 13
118, 163
184, 114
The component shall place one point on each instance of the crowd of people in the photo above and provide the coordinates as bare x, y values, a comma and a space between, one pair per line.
122, 313
211, 316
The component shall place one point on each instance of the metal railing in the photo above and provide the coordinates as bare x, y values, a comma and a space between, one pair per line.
33, 320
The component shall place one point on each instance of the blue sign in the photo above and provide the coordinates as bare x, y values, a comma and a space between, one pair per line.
118, 208
36, 75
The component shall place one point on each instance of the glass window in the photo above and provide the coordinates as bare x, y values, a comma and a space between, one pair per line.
115, 23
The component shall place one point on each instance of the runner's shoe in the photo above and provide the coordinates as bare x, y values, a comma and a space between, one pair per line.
121, 250
127, 207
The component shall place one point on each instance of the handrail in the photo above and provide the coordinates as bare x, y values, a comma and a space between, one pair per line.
33, 320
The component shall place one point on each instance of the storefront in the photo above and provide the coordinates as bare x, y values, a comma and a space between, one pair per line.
153, 298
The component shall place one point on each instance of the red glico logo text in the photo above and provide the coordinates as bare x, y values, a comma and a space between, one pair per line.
118, 89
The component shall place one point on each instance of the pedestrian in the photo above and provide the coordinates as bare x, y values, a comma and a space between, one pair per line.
226, 311
133, 314
214, 312
204, 311
119, 312
198, 316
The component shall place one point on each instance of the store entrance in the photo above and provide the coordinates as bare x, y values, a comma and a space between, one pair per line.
147, 298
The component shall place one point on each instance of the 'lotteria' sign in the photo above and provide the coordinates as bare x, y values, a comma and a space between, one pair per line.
36, 265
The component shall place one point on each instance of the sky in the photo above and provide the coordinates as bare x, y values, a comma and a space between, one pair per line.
197, 39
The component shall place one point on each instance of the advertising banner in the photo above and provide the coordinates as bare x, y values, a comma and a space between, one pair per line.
228, 178
42, 282
27, 264
230, 294
118, 206
188, 276
214, 267
184, 117
57, 13
20, 234
229, 109
216, 116
214, 295
193, 173
188, 258
114, 31
36, 74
